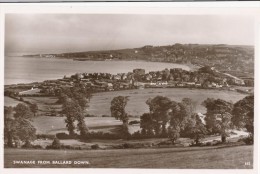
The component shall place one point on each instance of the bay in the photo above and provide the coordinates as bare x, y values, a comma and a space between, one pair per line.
28, 69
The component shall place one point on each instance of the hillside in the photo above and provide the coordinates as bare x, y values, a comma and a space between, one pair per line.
171, 158
234, 59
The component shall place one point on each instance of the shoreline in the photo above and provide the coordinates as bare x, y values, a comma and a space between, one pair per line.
190, 67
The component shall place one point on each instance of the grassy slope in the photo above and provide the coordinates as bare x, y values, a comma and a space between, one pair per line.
52, 125
182, 158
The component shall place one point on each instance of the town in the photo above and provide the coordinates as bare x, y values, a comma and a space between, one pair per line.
205, 78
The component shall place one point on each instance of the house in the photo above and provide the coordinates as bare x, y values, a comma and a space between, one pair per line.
139, 85
148, 77
117, 77
139, 71
124, 76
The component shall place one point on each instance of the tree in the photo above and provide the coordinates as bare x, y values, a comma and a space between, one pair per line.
198, 130
17, 126
117, 109
74, 101
70, 110
147, 124
22, 111
82, 127
74, 112
8, 126
56, 143
34, 108
180, 116
243, 114
159, 110
218, 116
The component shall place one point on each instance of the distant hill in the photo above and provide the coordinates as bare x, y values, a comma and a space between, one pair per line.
233, 58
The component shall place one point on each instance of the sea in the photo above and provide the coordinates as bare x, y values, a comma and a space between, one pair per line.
31, 69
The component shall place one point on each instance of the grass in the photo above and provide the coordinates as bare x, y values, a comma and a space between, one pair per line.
100, 102
10, 101
175, 158
31, 92
53, 125
45, 104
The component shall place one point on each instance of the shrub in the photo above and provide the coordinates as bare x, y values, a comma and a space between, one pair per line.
27, 144
48, 147
248, 140
133, 145
101, 135
63, 136
45, 136
95, 146
105, 115
119, 146
127, 145
164, 143
209, 144
194, 144
37, 147
56, 144
134, 122
88, 115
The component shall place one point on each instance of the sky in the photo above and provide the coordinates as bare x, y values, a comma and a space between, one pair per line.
59, 33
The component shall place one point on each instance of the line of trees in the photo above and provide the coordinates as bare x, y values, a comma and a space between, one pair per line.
167, 118
74, 101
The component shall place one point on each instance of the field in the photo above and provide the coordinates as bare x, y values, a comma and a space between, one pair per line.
46, 105
175, 158
53, 125
100, 105
100, 102
10, 101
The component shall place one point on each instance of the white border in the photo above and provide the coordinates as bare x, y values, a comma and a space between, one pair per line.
181, 8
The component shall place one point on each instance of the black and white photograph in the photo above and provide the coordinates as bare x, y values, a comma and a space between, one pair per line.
137, 91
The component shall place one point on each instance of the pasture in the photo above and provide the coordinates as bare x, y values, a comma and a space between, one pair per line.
8, 101
46, 105
53, 125
100, 102
213, 157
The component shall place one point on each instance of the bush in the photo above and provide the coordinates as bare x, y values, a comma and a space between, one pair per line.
248, 140
45, 136
88, 115
63, 136
56, 144
105, 115
37, 147
164, 143
134, 122
102, 135
209, 144
127, 145
133, 145
71, 147
27, 144
95, 146
194, 144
